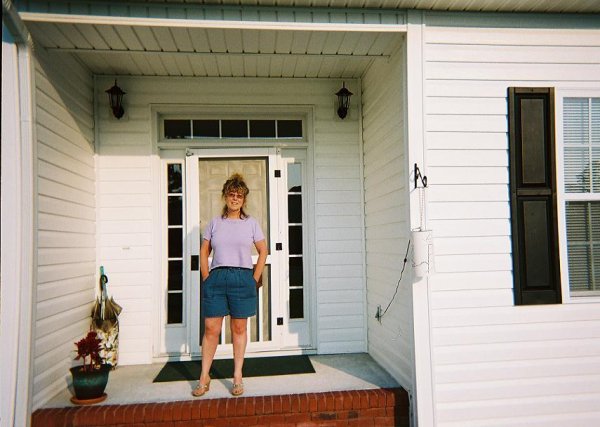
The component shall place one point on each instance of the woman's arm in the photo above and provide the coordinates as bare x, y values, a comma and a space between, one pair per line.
261, 247
205, 250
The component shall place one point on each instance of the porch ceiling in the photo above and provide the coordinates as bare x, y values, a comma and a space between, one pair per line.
215, 52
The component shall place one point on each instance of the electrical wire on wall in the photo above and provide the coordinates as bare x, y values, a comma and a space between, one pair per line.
379, 315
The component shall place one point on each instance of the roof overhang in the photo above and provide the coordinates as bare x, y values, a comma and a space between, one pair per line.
283, 39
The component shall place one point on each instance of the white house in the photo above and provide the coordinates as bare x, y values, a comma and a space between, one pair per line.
494, 317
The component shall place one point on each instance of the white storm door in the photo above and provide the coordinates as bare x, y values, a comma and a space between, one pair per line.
206, 171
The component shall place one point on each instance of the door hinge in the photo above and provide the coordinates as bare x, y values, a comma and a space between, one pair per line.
278, 246
277, 173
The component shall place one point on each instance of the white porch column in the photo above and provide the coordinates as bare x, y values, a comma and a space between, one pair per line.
423, 397
17, 213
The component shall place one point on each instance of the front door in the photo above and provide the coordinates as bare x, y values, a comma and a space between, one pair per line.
266, 174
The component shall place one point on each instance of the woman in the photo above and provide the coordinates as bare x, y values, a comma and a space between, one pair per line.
230, 288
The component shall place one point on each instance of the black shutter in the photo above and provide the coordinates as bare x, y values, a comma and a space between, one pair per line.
536, 269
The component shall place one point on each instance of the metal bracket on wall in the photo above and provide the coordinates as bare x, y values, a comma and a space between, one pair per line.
418, 176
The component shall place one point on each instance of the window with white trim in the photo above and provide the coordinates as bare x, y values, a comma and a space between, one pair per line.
175, 288
174, 129
581, 169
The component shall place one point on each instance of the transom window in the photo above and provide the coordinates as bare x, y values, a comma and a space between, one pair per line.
581, 149
176, 129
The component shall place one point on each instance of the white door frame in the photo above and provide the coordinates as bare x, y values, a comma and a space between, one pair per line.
193, 232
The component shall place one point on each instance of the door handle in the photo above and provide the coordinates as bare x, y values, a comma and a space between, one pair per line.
195, 262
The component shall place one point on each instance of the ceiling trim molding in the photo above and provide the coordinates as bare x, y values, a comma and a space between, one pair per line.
242, 54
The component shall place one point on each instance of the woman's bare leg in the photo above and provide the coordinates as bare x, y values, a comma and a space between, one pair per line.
210, 340
239, 332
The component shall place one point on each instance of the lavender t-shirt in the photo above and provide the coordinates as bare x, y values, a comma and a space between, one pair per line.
232, 240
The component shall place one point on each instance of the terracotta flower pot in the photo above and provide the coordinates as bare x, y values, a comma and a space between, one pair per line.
89, 386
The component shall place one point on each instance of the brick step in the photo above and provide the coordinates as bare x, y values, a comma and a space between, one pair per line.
377, 408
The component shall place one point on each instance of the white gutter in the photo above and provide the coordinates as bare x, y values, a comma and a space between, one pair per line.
10, 18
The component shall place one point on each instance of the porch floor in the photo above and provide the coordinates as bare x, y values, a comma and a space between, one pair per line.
133, 384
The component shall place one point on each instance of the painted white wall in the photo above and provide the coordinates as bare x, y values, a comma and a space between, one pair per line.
66, 215
386, 217
495, 363
128, 209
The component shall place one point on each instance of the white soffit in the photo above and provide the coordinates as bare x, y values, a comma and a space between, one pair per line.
214, 52
219, 42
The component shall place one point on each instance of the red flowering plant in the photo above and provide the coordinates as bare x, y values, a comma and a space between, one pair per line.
89, 347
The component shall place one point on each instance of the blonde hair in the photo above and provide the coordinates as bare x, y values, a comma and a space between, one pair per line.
235, 184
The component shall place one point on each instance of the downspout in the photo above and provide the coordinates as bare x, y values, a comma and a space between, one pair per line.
17, 330
12, 20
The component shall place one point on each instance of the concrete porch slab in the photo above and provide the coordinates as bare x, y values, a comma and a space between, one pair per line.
133, 384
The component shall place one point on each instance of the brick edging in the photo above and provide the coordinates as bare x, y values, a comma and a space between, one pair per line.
376, 407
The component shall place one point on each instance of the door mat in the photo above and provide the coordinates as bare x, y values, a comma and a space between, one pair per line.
223, 368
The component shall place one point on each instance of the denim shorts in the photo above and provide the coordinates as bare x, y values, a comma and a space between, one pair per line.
229, 290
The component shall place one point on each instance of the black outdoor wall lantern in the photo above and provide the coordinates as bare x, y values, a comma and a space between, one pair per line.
115, 98
343, 101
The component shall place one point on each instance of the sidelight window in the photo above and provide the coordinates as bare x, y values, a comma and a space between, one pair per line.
174, 243
295, 225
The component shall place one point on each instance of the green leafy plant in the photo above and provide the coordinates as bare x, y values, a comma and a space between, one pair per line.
88, 350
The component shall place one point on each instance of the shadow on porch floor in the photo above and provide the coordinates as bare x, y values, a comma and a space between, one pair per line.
348, 389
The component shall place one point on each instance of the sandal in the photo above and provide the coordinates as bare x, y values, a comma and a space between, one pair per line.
201, 389
237, 389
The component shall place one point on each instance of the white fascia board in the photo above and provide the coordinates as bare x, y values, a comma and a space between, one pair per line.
201, 23
224, 16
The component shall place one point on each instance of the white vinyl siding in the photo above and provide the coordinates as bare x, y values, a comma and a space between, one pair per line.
495, 363
128, 201
386, 222
66, 215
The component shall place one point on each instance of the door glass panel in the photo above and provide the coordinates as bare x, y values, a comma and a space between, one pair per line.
174, 178
296, 303
295, 239
178, 129
234, 128
175, 308
295, 178
175, 279
289, 128
212, 175
296, 271
294, 208
295, 259
175, 216
174, 243
206, 128
262, 128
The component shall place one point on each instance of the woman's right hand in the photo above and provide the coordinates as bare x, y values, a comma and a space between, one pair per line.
205, 250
